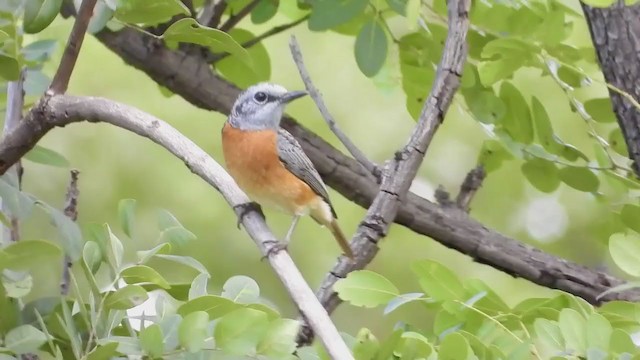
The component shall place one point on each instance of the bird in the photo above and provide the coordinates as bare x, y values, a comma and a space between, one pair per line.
269, 164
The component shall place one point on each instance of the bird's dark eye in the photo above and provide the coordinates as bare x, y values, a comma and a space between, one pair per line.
260, 97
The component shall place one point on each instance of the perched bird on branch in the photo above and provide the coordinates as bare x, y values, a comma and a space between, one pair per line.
268, 163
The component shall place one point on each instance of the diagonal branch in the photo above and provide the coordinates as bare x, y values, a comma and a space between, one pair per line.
469, 187
317, 98
399, 172
233, 20
13, 115
60, 80
61, 110
71, 211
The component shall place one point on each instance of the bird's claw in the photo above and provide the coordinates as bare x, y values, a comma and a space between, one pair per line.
275, 248
243, 209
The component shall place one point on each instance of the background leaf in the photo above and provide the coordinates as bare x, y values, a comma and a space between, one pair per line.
371, 48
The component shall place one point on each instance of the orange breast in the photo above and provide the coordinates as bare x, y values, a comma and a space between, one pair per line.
252, 160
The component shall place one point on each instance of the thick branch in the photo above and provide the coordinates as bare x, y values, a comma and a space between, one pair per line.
61, 110
71, 211
615, 32
60, 80
328, 118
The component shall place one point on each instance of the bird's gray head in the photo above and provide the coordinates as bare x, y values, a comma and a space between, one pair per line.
260, 107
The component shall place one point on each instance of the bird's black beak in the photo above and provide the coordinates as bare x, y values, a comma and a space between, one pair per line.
292, 95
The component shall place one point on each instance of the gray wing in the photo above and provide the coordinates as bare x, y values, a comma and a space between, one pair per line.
297, 162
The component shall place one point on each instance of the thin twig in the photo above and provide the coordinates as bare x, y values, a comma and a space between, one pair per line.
469, 187
60, 80
233, 20
399, 172
317, 98
62, 110
213, 58
13, 115
71, 211
212, 13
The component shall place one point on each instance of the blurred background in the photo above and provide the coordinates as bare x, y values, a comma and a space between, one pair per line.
115, 164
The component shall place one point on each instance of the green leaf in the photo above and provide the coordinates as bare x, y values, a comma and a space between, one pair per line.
579, 178
189, 31
116, 250
149, 12
28, 254
485, 106
280, 338
151, 341
92, 256
240, 331
600, 110
213, 305
265, 10
414, 346
399, 6
625, 252
492, 155
9, 68
39, 51
598, 332
38, 14
371, 48
542, 174
621, 342
69, 231
126, 213
145, 255
24, 339
240, 73
199, 286
42, 155
572, 326
172, 230
126, 298
103, 352
517, 121
327, 14
19, 203
142, 274
401, 300
17, 284
630, 216
241, 289
454, 347
366, 288
548, 334
184, 260
437, 281
193, 331
366, 346
617, 143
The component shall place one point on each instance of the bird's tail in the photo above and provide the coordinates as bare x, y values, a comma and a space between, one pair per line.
340, 238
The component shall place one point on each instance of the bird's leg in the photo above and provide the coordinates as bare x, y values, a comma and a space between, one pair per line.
243, 209
279, 246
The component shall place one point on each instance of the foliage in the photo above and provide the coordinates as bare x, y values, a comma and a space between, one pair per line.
507, 39
473, 322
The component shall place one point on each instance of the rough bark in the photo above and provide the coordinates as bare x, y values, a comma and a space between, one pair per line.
615, 32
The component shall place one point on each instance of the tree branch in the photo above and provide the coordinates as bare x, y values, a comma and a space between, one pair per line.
469, 187
71, 211
615, 31
190, 77
61, 110
212, 13
13, 115
399, 172
60, 80
317, 98
233, 20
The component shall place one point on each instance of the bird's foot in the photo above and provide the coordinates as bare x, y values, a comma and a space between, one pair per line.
243, 209
275, 247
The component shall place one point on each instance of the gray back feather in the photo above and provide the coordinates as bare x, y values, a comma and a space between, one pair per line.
296, 161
